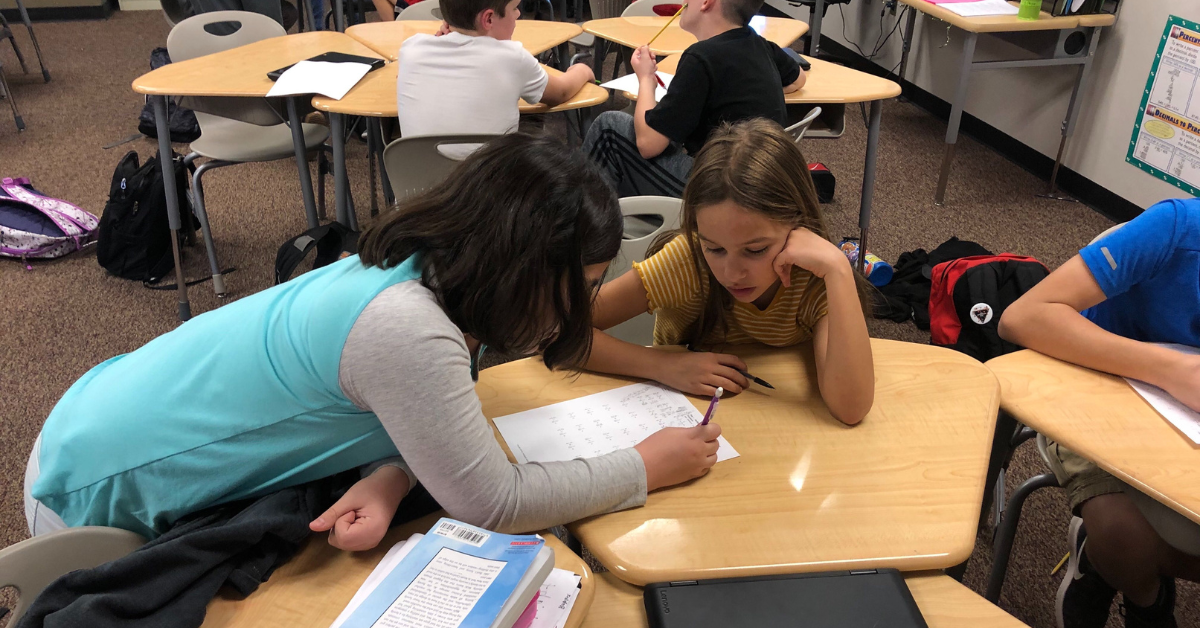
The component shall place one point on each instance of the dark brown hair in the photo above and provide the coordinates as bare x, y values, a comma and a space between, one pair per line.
756, 164
503, 242
462, 13
740, 11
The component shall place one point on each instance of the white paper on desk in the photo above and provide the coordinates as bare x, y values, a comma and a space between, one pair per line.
981, 8
331, 80
385, 566
629, 83
600, 424
1182, 417
555, 599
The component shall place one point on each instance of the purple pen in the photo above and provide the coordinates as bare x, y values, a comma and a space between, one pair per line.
712, 405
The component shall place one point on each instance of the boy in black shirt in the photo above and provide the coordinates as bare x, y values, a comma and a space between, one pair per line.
730, 74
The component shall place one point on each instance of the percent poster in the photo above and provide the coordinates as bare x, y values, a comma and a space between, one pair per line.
1166, 137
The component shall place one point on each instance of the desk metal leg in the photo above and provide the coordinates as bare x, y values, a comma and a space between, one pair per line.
308, 16
906, 39
814, 27
956, 108
389, 197
868, 185
306, 188
173, 221
1068, 124
337, 125
339, 16
36, 48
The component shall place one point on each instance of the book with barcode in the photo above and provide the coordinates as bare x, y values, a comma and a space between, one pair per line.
456, 576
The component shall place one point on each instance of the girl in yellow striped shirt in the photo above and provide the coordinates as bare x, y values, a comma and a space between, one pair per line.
752, 263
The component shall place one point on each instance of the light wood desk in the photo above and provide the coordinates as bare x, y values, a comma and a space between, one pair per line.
902, 489
633, 32
943, 602
375, 96
313, 588
1001, 25
830, 83
240, 72
1100, 417
385, 38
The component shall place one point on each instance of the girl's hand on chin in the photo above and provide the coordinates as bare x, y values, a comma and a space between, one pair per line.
810, 252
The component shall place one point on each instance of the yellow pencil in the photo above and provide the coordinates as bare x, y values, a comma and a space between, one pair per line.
660, 31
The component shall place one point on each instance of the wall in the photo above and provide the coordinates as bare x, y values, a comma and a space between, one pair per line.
1029, 103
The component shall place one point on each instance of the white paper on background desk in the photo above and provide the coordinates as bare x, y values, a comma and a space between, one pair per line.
1182, 417
331, 80
600, 424
981, 9
629, 83
556, 598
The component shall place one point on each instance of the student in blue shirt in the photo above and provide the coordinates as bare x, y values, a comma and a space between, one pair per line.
1137, 285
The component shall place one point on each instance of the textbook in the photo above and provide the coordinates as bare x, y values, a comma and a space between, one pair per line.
456, 576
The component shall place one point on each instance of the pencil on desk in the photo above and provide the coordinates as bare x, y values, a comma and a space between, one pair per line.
660, 31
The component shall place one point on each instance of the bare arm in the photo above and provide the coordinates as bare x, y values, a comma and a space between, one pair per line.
842, 348
1047, 319
796, 84
385, 9
650, 143
562, 87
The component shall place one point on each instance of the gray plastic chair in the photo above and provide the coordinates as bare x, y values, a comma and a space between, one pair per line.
664, 213
798, 130
31, 565
415, 164
424, 10
232, 130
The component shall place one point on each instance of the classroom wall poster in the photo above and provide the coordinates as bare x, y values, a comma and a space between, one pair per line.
1166, 136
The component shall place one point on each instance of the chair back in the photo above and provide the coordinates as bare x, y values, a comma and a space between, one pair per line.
32, 564
415, 164
797, 130
190, 39
646, 8
424, 10
640, 329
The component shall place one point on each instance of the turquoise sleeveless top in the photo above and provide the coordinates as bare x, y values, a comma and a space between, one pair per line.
236, 403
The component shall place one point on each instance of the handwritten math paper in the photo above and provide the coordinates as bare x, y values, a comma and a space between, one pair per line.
600, 424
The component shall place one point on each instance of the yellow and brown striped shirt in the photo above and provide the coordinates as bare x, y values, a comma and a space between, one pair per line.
677, 297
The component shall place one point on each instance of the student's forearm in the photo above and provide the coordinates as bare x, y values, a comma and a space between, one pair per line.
1057, 330
563, 87
797, 84
385, 9
847, 380
610, 355
650, 143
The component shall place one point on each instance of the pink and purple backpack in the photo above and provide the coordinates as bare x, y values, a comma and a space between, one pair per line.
36, 226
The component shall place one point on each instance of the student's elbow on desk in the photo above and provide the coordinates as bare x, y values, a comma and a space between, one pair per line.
852, 411
796, 84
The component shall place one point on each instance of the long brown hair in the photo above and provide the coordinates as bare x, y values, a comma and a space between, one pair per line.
503, 243
756, 164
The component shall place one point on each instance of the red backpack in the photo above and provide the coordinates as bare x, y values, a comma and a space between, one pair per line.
970, 294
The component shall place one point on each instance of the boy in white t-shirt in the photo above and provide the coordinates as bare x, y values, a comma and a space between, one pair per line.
469, 79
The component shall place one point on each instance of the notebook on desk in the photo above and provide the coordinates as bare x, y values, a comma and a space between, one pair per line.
836, 599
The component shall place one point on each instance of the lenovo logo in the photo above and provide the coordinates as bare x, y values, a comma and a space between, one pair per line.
662, 600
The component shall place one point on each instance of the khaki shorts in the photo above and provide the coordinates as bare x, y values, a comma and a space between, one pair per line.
1081, 478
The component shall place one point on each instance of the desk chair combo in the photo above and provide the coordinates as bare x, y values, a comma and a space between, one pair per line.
6, 33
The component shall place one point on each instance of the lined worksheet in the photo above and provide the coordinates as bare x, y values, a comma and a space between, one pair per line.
601, 423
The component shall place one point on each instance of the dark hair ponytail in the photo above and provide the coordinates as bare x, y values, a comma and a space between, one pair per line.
503, 242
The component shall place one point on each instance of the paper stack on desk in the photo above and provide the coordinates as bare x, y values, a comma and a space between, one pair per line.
980, 8
629, 84
331, 80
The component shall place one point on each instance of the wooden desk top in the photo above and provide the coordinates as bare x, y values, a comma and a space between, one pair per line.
636, 31
375, 96
900, 490
1010, 23
243, 71
944, 603
1100, 417
313, 588
827, 83
385, 38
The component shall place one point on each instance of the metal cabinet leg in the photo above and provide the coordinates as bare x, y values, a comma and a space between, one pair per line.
168, 169
956, 108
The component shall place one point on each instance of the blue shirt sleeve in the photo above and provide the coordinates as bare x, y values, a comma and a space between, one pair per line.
1137, 251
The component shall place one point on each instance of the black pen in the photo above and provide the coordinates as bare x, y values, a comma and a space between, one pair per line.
757, 380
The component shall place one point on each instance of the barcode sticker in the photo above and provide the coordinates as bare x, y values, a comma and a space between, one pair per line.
467, 535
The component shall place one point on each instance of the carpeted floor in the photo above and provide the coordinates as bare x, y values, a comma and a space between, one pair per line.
63, 317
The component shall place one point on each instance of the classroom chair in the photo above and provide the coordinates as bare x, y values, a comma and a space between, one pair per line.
31, 565
6, 32
414, 164
645, 217
798, 130
601, 9
6, 93
232, 130
424, 10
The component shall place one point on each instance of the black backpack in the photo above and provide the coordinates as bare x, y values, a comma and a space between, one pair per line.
180, 120
969, 295
332, 242
134, 237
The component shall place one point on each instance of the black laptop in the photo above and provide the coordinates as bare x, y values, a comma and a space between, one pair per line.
865, 598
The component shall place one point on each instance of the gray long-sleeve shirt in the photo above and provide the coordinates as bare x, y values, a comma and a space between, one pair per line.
408, 363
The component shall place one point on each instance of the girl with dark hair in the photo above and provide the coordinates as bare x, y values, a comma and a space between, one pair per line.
372, 356
753, 263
